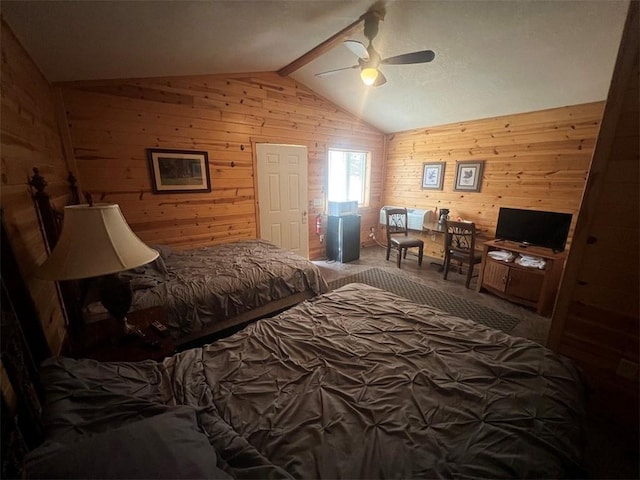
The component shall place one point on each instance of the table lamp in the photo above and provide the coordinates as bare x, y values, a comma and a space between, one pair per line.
96, 241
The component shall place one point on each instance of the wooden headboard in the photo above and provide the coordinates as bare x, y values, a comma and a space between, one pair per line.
49, 216
23, 343
23, 347
50, 219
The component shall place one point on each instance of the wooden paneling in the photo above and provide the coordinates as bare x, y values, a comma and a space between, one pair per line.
30, 138
597, 316
532, 160
112, 123
537, 160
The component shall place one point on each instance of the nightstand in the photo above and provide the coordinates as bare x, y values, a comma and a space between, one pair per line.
105, 341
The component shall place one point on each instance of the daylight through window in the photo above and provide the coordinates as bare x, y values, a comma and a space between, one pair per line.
348, 176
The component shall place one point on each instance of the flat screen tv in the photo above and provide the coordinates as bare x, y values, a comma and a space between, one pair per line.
534, 227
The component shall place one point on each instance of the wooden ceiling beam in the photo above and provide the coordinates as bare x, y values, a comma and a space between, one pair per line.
321, 49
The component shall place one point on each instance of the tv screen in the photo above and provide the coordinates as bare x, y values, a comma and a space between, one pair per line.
534, 227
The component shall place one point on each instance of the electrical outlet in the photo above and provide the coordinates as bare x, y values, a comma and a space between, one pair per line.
321, 238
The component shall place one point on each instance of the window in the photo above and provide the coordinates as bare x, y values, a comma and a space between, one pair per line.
348, 176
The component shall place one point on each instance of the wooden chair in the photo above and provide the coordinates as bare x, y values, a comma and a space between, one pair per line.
460, 245
398, 235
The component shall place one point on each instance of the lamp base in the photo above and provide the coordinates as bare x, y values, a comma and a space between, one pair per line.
116, 296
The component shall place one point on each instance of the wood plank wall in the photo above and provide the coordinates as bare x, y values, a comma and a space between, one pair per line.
537, 160
597, 318
111, 123
30, 138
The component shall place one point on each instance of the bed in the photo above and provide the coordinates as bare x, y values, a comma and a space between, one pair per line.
209, 289
355, 383
204, 290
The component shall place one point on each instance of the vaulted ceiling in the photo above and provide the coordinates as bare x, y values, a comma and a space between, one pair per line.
491, 57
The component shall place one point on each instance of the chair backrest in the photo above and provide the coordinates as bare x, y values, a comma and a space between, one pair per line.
396, 221
460, 237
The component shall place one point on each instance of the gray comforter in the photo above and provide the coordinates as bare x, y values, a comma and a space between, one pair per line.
356, 383
199, 287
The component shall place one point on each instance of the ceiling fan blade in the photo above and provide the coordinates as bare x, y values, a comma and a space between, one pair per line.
358, 48
407, 58
331, 72
381, 80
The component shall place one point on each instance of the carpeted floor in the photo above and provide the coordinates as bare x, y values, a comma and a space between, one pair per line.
425, 295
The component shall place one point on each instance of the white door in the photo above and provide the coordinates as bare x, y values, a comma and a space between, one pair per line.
282, 196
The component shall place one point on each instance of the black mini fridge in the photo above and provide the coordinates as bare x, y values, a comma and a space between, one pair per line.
343, 238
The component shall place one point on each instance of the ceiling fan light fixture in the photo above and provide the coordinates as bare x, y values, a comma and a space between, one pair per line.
368, 59
369, 75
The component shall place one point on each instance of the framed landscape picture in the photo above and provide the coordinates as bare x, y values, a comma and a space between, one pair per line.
432, 175
468, 176
179, 171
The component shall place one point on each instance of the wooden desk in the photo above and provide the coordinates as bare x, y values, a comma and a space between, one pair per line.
435, 228
528, 286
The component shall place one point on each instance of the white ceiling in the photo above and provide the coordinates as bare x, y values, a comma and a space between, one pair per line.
492, 57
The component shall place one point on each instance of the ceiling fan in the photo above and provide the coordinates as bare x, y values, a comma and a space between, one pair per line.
369, 61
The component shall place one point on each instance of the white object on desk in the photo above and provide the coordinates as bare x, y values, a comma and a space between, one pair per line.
502, 255
531, 261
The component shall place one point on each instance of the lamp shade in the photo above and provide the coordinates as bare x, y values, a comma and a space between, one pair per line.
96, 240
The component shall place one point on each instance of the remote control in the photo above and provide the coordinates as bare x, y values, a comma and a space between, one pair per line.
160, 328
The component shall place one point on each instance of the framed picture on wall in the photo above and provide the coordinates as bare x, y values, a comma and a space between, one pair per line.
469, 176
179, 171
432, 175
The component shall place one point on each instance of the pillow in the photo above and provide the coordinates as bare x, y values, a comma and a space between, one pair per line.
169, 445
149, 275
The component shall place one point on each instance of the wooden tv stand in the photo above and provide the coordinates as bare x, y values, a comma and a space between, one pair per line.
529, 286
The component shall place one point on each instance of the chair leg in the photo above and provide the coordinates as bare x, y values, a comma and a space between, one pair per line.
445, 266
399, 256
388, 250
469, 273
420, 253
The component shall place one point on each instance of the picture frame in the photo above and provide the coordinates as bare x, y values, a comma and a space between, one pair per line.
179, 171
433, 175
469, 176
